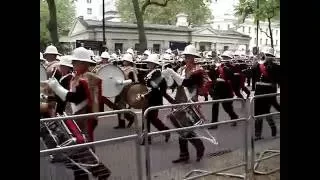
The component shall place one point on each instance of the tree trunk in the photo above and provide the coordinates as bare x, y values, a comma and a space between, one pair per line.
52, 25
270, 31
140, 24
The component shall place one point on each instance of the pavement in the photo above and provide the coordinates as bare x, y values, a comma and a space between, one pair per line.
120, 157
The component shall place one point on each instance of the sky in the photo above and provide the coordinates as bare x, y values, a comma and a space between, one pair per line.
222, 6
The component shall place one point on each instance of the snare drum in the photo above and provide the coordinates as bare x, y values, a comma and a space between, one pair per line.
185, 117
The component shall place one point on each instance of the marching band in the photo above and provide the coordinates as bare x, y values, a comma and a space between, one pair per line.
80, 84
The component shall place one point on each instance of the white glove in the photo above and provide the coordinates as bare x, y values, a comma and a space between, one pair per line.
176, 77
167, 76
57, 88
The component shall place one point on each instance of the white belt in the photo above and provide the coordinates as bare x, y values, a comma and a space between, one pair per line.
237, 74
220, 80
75, 108
264, 84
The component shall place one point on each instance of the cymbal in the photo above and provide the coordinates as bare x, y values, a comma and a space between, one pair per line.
133, 93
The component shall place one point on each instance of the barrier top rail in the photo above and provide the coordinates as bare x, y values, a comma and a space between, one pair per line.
82, 116
265, 95
88, 144
189, 103
265, 115
202, 126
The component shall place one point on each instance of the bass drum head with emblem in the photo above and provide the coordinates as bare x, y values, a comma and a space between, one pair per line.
132, 94
43, 73
110, 75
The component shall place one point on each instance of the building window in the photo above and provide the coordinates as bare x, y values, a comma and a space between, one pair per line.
136, 46
89, 11
249, 30
228, 26
260, 40
156, 48
243, 29
89, 1
118, 46
218, 27
225, 48
266, 41
202, 48
267, 31
255, 40
276, 32
276, 42
255, 30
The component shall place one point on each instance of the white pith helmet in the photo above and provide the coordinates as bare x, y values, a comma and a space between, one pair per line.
190, 50
81, 54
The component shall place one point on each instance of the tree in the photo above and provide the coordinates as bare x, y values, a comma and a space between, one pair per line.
268, 10
162, 12
65, 15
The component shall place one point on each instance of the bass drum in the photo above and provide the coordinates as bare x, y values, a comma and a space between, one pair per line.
110, 75
43, 73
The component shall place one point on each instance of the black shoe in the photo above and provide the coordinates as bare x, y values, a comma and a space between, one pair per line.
143, 142
130, 123
274, 132
167, 137
213, 127
199, 158
181, 159
120, 127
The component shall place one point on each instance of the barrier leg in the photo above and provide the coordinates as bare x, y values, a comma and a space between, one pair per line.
262, 158
246, 157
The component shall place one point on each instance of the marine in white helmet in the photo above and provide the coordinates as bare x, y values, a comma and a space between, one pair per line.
66, 68
42, 60
146, 54
105, 58
51, 53
158, 86
84, 96
168, 51
120, 101
194, 78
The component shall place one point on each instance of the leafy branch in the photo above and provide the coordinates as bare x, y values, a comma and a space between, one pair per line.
265, 33
148, 2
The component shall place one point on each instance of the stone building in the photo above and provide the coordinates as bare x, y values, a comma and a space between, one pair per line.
121, 35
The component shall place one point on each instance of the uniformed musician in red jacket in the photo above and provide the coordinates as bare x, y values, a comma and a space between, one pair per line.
222, 77
84, 96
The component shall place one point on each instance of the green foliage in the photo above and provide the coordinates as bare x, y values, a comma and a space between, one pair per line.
65, 17
198, 11
267, 9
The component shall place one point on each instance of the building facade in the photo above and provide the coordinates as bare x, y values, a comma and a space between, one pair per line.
121, 36
92, 9
224, 19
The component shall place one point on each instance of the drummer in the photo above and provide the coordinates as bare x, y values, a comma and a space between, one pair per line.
66, 69
198, 83
84, 95
42, 60
158, 87
105, 58
129, 73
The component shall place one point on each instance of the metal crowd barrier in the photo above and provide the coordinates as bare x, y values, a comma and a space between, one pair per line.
251, 165
205, 173
100, 142
255, 163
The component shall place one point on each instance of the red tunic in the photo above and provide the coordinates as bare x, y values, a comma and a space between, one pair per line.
85, 95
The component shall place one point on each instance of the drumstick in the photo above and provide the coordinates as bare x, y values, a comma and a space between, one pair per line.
54, 73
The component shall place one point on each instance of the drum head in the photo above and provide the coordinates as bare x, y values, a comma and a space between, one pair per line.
110, 74
132, 93
43, 73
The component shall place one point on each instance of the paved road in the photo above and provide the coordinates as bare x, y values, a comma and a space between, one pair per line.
120, 158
